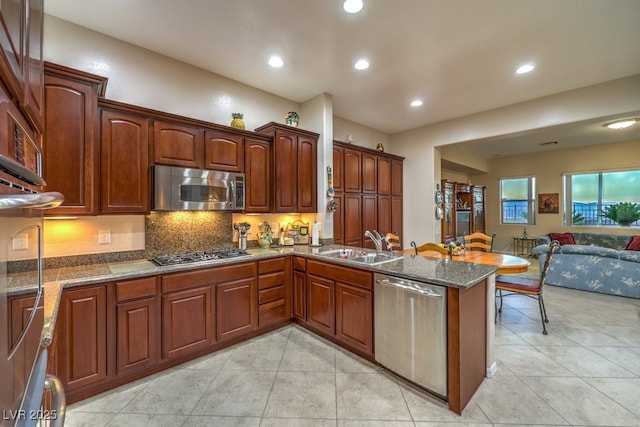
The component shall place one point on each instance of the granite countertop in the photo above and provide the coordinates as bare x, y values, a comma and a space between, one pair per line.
448, 273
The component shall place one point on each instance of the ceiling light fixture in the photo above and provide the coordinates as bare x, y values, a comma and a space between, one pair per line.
275, 61
622, 124
525, 68
416, 103
353, 6
361, 64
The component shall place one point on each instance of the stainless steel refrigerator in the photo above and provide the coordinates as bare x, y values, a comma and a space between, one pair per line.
23, 357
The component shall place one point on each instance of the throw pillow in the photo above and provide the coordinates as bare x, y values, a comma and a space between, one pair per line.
563, 238
634, 244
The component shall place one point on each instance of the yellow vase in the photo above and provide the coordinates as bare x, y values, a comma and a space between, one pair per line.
237, 121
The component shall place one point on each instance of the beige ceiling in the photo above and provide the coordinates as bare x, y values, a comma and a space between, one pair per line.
459, 56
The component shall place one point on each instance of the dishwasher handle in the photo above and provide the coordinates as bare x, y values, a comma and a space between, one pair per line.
417, 288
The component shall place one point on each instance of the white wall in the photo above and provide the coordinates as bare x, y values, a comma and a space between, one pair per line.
362, 135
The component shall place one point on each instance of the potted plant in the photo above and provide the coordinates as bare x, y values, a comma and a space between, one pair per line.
624, 213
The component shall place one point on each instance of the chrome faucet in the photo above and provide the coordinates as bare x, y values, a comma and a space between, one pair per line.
376, 238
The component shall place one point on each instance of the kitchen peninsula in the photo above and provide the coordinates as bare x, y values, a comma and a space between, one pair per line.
120, 322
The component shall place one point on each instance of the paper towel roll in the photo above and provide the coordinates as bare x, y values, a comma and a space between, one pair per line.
315, 234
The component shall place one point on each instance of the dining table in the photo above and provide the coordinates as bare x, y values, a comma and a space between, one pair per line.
507, 264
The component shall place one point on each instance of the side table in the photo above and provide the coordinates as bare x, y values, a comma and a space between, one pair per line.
524, 245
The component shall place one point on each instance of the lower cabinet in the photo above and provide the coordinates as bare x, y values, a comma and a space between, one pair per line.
80, 342
236, 304
137, 325
299, 288
340, 305
274, 295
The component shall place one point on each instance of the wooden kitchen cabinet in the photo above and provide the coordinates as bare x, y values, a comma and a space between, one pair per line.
384, 213
353, 233
80, 339
187, 312
20, 308
177, 144
396, 177
338, 168
21, 59
340, 305
223, 151
300, 288
124, 139
72, 138
257, 160
369, 172
274, 291
369, 218
236, 300
384, 175
477, 208
354, 317
338, 219
352, 170
294, 168
449, 208
137, 325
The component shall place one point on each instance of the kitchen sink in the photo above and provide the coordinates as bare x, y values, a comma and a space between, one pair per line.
362, 256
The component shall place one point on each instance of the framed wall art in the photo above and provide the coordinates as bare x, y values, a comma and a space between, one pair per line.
548, 203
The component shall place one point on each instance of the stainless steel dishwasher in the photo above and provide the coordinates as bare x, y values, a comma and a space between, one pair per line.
411, 330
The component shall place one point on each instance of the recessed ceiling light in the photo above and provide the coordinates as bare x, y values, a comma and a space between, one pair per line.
275, 61
622, 124
416, 103
361, 64
525, 68
353, 6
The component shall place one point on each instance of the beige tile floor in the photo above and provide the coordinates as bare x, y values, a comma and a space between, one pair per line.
586, 372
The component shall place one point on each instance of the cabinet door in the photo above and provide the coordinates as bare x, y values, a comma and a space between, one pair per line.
21, 307
354, 317
321, 304
124, 162
177, 145
369, 217
448, 224
338, 220
353, 232
12, 45
137, 344
34, 64
81, 334
478, 210
258, 176
299, 295
384, 175
285, 172
307, 175
187, 321
236, 308
223, 151
73, 103
369, 173
396, 177
384, 215
352, 171
338, 168
396, 216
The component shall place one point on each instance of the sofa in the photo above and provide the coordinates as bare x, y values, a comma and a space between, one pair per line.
597, 262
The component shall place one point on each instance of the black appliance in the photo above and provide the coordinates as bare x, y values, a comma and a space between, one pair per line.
189, 257
23, 357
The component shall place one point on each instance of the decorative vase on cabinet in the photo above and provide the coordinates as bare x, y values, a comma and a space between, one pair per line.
237, 121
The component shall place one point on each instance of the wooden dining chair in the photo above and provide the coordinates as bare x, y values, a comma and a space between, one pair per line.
516, 285
429, 247
393, 242
479, 242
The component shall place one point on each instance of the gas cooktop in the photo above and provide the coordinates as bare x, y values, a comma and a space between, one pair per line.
185, 258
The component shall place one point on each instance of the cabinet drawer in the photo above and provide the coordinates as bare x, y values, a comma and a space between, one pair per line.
340, 274
272, 312
271, 294
131, 289
271, 265
299, 263
270, 280
187, 280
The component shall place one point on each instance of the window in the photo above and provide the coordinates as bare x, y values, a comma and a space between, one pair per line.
588, 194
517, 201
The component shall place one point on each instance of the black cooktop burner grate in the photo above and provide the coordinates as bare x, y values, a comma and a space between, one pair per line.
185, 258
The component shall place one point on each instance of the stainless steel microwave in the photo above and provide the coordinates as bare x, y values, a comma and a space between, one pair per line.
176, 188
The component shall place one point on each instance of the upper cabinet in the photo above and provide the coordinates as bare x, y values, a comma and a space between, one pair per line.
177, 144
71, 97
294, 167
257, 162
352, 170
124, 173
223, 151
21, 60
